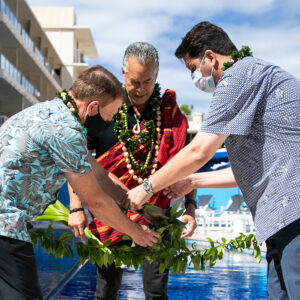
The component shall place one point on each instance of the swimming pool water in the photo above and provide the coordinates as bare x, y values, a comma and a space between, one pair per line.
237, 276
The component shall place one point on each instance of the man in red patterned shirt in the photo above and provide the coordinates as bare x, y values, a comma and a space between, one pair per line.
149, 131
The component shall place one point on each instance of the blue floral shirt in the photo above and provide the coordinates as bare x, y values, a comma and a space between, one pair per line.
258, 105
37, 145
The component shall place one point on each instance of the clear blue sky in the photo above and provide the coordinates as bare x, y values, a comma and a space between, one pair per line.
270, 27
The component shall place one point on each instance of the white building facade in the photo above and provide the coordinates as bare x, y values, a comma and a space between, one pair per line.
36, 62
72, 42
29, 64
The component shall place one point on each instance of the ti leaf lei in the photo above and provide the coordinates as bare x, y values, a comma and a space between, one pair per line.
237, 55
172, 253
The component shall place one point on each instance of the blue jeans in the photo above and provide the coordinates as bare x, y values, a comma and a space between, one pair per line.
283, 256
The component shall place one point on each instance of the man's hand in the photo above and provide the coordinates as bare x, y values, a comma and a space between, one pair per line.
144, 236
77, 222
178, 189
189, 218
138, 196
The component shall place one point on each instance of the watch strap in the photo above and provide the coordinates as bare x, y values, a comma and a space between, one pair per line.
190, 201
76, 210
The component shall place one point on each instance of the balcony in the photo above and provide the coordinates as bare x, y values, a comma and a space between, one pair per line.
7, 67
5, 9
78, 57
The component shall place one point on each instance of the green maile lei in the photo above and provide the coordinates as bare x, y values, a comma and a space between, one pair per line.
150, 133
68, 101
236, 56
167, 253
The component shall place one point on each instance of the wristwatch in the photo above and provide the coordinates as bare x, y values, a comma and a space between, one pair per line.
148, 187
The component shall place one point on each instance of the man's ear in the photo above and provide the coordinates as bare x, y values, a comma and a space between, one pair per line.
71, 94
122, 70
211, 56
93, 108
123, 73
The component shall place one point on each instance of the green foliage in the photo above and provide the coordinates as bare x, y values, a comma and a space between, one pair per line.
168, 252
147, 135
237, 55
186, 109
55, 212
124, 135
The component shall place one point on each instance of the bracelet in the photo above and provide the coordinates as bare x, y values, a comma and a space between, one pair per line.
190, 201
76, 210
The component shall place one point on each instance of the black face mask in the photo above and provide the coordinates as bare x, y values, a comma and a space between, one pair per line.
95, 124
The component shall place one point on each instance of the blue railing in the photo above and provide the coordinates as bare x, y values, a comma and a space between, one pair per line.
10, 15
8, 67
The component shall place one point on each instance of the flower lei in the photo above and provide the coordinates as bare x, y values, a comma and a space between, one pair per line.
237, 55
151, 134
68, 101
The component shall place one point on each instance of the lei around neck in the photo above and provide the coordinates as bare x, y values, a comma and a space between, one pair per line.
69, 102
149, 135
237, 55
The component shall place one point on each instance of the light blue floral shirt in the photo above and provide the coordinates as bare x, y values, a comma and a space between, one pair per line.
258, 105
37, 145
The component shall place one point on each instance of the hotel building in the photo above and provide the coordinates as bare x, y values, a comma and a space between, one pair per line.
35, 62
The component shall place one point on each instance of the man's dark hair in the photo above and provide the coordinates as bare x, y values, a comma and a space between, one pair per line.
97, 83
202, 37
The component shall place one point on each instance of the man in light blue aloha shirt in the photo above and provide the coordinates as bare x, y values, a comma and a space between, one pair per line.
255, 110
41, 146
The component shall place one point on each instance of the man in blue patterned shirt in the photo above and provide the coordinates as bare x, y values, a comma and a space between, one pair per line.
255, 110
40, 147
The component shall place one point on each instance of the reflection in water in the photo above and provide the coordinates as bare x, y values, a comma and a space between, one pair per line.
237, 276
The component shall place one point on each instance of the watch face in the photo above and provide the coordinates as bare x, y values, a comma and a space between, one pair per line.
147, 185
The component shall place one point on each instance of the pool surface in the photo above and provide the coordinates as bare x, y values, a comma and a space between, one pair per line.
237, 276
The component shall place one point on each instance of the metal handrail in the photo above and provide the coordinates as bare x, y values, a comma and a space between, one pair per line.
65, 280
8, 67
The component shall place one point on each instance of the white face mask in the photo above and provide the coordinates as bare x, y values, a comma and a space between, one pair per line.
205, 84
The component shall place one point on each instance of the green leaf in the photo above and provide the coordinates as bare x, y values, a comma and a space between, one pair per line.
59, 251
107, 243
65, 236
105, 259
210, 241
178, 214
162, 267
99, 259
161, 230
176, 244
258, 258
55, 212
173, 210
196, 262
125, 237
118, 262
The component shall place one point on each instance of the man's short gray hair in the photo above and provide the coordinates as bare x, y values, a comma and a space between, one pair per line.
142, 52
